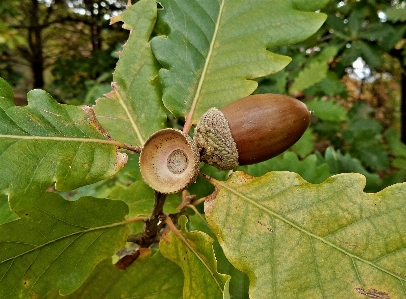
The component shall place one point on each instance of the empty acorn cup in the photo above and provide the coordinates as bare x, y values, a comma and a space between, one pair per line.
169, 161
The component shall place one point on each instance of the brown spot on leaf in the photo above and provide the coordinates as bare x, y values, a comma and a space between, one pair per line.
126, 260
94, 121
242, 178
346, 243
268, 228
121, 160
373, 293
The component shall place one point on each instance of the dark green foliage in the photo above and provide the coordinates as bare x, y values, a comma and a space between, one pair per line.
320, 74
75, 76
340, 163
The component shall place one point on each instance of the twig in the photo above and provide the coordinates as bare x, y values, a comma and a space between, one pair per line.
132, 148
151, 228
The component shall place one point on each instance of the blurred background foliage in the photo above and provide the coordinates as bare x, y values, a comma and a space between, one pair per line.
352, 74
64, 46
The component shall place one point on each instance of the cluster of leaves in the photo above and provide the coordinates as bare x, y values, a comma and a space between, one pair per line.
264, 236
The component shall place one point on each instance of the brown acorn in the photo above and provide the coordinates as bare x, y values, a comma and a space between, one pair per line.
250, 130
169, 161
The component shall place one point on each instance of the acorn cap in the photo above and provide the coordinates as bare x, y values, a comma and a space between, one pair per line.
169, 161
214, 140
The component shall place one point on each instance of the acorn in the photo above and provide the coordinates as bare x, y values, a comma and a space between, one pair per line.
169, 161
250, 130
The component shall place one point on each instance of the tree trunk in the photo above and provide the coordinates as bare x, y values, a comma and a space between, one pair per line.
38, 73
35, 43
95, 28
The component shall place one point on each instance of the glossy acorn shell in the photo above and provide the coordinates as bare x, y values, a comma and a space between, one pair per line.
265, 125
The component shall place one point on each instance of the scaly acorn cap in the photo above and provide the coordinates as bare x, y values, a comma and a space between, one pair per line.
169, 161
250, 130
214, 140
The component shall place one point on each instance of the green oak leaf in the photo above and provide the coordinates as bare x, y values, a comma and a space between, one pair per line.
239, 281
396, 14
399, 163
327, 110
193, 252
295, 239
57, 243
341, 163
140, 199
305, 145
134, 110
100, 190
46, 142
212, 50
397, 147
148, 277
314, 71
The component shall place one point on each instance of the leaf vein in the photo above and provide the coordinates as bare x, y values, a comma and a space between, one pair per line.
51, 262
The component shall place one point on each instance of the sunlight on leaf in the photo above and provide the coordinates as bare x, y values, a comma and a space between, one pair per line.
57, 243
330, 240
47, 142
211, 50
134, 109
193, 252
5, 214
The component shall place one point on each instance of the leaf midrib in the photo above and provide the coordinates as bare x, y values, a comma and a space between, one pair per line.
65, 139
207, 61
130, 117
308, 233
212, 272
